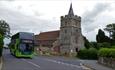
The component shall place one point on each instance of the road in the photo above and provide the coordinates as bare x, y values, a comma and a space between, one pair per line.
39, 63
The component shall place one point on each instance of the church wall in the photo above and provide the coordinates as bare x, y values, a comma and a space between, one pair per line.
71, 39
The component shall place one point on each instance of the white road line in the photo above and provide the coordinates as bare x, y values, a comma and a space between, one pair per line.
36, 65
84, 67
59, 62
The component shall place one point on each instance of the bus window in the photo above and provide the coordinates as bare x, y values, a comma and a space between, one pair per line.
22, 47
28, 47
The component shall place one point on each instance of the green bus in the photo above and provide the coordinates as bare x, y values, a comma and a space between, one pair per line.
22, 44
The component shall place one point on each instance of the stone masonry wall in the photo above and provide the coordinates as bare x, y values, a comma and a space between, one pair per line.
110, 62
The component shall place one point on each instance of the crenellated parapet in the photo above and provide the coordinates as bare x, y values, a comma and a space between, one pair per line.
71, 21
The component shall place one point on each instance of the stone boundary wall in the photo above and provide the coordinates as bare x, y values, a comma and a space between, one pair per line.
110, 62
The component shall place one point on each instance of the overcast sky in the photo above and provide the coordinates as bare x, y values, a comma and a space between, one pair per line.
44, 15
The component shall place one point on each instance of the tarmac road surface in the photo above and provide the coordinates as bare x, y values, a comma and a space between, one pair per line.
39, 63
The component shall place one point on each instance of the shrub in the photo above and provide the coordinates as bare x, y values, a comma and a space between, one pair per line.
88, 53
83, 54
92, 52
113, 46
107, 52
96, 45
105, 45
87, 43
101, 45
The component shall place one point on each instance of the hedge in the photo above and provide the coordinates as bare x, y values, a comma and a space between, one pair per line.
88, 53
107, 52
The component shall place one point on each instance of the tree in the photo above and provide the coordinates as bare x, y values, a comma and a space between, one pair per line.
4, 32
111, 29
87, 43
1, 44
4, 29
101, 37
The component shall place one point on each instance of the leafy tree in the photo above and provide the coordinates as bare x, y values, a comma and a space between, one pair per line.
87, 43
101, 37
4, 32
111, 29
1, 44
4, 28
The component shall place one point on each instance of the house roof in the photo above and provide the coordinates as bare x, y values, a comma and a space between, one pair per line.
51, 35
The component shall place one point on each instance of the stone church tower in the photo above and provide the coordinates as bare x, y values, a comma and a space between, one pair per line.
70, 39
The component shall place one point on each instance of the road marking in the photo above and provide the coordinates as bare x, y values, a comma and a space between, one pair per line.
67, 64
84, 67
36, 65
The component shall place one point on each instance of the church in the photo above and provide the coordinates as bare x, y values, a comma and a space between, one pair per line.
68, 39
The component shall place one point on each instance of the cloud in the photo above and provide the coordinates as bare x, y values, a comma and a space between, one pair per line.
7, 0
33, 17
23, 23
89, 17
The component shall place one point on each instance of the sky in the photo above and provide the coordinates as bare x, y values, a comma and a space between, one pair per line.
44, 15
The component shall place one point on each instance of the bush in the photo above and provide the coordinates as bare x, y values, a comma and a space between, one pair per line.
87, 43
101, 45
113, 47
105, 45
107, 52
88, 53
96, 45
83, 54
92, 53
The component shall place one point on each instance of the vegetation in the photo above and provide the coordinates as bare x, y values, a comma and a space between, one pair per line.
104, 47
4, 32
111, 29
95, 45
107, 52
1, 44
88, 53
87, 43
101, 37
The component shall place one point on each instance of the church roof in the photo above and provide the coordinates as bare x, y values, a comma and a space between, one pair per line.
71, 13
51, 35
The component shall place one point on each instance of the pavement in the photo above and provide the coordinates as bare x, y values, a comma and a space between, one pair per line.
94, 65
48, 63
1, 62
